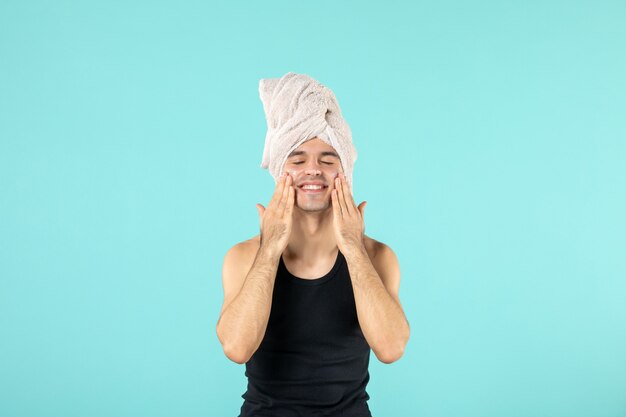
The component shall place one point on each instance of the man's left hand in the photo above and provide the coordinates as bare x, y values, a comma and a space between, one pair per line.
347, 218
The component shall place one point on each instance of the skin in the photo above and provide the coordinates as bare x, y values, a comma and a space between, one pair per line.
296, 223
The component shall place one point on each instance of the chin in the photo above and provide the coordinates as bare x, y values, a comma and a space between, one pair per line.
314, 207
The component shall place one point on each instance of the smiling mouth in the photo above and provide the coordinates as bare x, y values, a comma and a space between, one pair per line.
313, 190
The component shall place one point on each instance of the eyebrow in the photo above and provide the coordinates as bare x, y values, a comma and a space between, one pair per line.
325, 153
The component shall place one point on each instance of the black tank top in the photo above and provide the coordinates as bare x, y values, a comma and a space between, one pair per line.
313, 360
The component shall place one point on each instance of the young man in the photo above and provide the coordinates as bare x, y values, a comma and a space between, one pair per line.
307, 298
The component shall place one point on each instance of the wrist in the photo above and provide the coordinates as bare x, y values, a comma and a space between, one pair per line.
356, 249
270, 252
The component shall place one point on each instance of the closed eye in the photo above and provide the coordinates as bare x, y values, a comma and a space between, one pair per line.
301, 162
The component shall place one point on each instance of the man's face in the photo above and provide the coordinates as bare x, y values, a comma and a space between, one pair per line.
313, 162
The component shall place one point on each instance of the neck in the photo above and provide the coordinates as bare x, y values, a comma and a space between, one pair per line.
312, 234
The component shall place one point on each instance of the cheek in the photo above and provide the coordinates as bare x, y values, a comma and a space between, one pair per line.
332, 173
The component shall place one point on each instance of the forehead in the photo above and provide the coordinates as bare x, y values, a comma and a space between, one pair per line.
314, 146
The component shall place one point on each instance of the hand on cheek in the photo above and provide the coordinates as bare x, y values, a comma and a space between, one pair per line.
347, 217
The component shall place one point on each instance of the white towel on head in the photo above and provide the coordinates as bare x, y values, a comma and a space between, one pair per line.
299, 108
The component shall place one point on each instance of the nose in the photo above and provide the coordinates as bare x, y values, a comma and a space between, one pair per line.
312, 168
312, 171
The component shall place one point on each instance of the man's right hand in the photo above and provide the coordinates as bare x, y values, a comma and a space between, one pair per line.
276, 219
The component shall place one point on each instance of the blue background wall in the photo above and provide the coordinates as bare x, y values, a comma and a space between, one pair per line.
492, 150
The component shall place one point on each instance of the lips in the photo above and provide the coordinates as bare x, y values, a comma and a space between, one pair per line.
312, 191
311, 183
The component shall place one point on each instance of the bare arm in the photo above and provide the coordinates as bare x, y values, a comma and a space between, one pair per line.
248, 293
380, 314
375, 281
242, 324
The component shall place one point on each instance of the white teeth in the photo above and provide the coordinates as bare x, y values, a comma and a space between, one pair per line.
312, 187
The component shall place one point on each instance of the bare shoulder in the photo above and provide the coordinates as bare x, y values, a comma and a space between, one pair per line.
237, 263
386, 264
242, 251
378, 251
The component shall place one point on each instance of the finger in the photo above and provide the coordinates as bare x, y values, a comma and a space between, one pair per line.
342, 199
338, 195
278, 192
283, 198
362, 208
290, 201
261, 210
336, 207
347, 197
